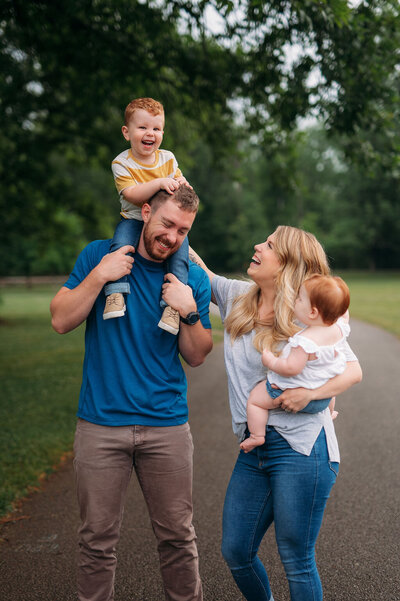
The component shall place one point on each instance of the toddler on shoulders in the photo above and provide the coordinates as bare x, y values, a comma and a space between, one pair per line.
139, 172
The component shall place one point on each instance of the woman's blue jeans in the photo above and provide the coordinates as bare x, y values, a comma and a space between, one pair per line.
128, 231
274, 483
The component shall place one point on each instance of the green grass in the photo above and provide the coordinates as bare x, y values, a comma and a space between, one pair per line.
217, 328
41, 371
375, 298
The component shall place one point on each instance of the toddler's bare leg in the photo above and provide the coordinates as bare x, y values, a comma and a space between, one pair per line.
258, 404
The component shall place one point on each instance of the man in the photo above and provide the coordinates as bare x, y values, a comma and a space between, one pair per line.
133, 407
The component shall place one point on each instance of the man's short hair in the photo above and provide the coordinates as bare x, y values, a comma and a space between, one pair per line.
147, 104
185, 198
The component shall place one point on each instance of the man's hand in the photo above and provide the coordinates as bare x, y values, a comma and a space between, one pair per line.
195, 341
115, 265
177, 295
293, 400
70, 308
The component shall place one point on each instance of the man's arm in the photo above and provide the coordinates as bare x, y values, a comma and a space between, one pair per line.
70, 308
296, 399
195, 342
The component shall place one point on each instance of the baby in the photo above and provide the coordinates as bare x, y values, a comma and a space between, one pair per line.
310, 358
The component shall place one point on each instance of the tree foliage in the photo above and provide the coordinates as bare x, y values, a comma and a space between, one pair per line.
233, 102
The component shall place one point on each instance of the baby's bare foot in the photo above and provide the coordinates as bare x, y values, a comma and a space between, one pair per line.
252, 442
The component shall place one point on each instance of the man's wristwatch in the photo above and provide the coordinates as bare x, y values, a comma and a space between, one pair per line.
191, 318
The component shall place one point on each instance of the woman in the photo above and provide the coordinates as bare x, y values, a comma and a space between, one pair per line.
288, 479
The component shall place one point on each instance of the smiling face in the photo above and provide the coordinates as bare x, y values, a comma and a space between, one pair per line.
145, 133
164, 230
265, 263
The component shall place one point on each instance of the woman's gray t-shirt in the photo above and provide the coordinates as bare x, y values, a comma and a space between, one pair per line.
245, 369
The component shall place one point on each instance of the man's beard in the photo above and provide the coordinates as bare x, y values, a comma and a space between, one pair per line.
148, 242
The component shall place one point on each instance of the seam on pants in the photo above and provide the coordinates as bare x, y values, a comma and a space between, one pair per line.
250, 564
257, 521
336, 472
309, 523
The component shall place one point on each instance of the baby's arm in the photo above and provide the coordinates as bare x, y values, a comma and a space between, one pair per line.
291, 366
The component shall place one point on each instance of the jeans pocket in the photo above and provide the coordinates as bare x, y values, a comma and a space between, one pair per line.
334, 466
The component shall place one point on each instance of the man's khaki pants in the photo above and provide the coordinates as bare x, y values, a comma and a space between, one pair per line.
162, 458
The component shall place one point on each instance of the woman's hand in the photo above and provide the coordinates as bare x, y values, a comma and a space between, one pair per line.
295, 399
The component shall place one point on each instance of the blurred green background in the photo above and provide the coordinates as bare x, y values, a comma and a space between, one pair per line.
278, 113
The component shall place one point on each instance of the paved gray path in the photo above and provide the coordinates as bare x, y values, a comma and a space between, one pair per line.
358, 549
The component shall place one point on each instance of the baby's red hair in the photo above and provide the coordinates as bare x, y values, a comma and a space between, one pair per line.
329, 294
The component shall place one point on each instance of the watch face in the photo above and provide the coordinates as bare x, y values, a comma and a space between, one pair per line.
191, 318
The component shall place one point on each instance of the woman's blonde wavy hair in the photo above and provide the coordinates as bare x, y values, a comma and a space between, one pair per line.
300, 256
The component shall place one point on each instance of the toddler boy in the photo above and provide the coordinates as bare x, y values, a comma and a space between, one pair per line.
139, 173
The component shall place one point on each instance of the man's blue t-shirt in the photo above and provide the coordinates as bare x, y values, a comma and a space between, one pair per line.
132, 373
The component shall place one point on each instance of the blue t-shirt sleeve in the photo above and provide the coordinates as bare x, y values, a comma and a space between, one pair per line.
200, 284
90, 256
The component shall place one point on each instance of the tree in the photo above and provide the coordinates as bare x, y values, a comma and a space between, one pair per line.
68, 71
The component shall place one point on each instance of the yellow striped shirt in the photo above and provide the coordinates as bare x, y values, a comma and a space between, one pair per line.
127, 172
